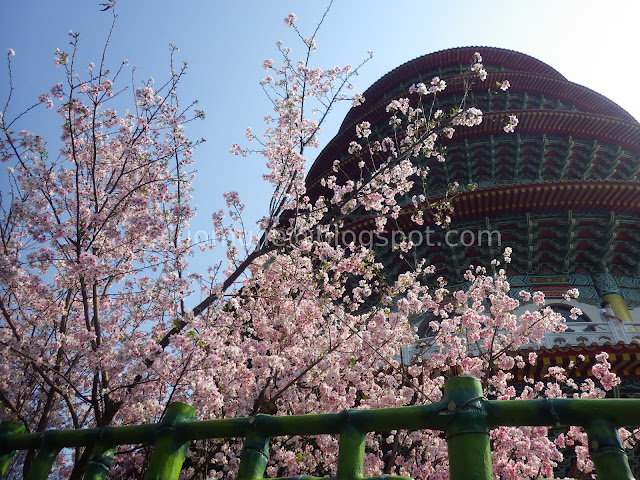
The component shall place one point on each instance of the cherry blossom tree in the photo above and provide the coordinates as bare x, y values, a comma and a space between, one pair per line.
95, 281
93, 259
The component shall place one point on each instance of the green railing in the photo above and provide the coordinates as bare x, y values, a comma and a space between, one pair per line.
464, 414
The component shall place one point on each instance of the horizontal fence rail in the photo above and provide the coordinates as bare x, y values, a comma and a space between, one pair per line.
463, 413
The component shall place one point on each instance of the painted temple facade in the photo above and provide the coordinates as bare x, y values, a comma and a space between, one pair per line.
563, 191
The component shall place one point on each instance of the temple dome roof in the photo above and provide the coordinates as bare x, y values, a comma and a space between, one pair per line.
563, 190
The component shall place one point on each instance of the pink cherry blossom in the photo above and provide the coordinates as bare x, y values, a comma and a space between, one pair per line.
288, 21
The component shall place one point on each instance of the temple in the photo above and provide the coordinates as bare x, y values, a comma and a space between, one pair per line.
563, 191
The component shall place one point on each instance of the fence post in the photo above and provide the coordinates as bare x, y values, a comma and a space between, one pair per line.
351, 453
607, 452
467, 430
7, 429
169, 449
100, 462
254, 458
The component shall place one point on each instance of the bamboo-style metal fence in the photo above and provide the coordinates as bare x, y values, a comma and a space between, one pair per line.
464, 414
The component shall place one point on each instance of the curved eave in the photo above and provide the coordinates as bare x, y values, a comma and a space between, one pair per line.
584, 126
561, 123
624, 360
607, 196
429, 64
589, 195
584, 99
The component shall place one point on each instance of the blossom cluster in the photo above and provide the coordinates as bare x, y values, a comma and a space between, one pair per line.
513, 121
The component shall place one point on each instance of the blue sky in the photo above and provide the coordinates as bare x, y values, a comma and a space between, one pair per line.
590, 42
